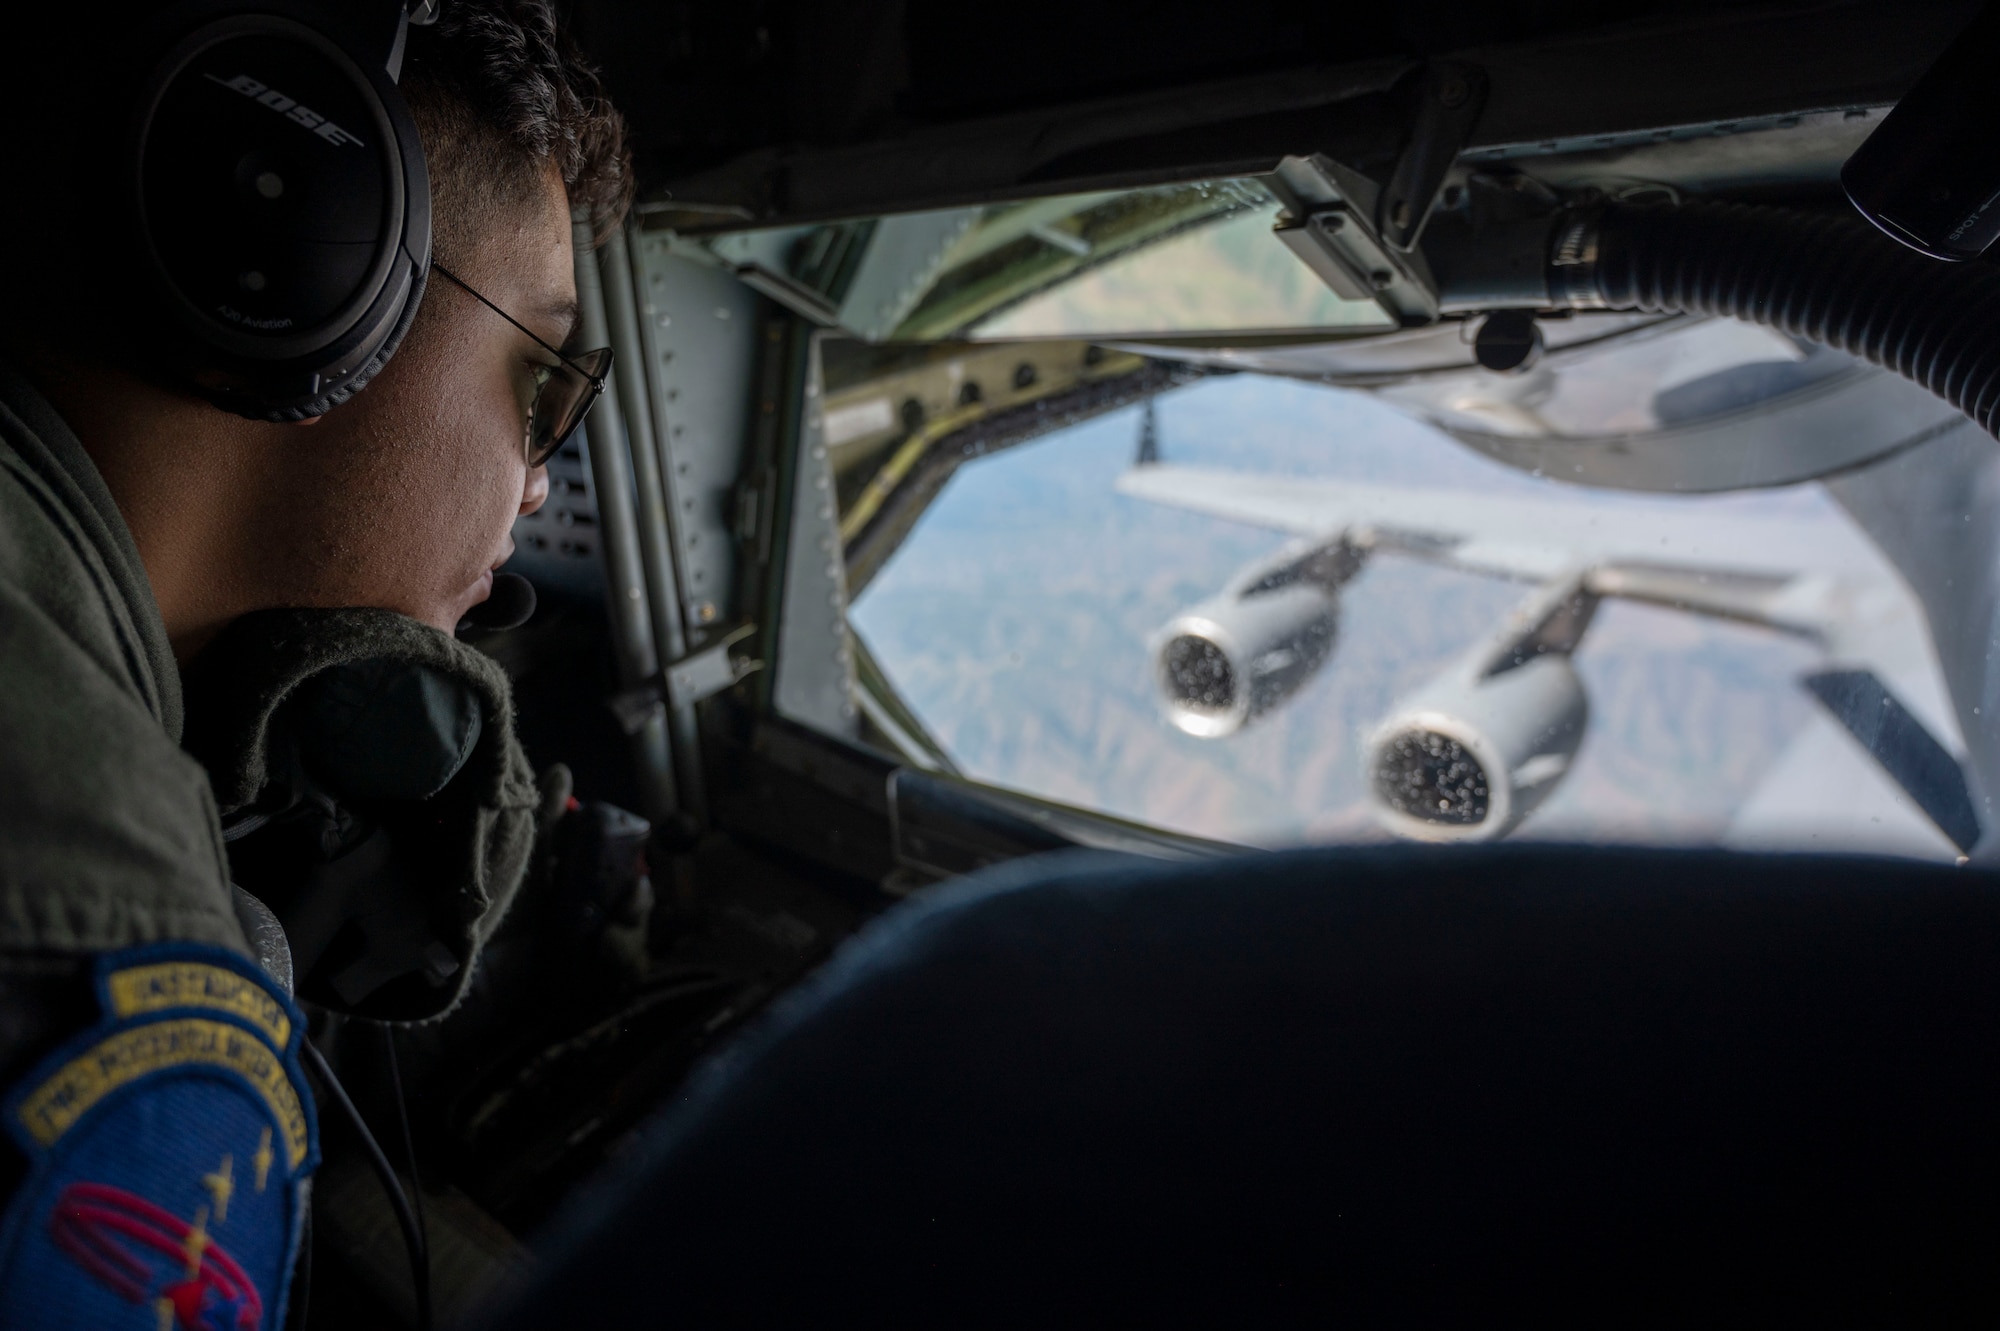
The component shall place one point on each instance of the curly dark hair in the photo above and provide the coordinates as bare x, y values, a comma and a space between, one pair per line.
500, 92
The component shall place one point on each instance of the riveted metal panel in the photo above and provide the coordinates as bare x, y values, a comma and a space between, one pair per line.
815, 665
699, 329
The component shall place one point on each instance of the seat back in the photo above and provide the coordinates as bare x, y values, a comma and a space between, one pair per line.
1378, 1085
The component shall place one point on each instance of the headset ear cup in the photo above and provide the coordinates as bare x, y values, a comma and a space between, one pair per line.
333, 397
281, 206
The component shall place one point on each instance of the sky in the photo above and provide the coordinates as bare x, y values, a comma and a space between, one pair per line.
1016, 619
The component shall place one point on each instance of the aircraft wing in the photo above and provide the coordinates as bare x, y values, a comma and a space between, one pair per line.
1792, 573
1510, 535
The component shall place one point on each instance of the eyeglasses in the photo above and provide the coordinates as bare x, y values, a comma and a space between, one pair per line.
564, 392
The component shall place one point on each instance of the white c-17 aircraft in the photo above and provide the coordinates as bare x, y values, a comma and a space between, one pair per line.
1882, 765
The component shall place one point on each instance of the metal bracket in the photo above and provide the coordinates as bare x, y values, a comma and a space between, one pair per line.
696, 676
800, 299
705, 673
1329, 223
1450, 96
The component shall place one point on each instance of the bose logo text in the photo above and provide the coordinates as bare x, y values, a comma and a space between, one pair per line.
285, 106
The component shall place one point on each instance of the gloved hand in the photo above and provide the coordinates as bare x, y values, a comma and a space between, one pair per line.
373, 794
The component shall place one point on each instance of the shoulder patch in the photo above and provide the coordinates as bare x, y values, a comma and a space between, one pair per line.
168, 1150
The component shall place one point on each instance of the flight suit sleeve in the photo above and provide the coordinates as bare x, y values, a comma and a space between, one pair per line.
108, 831
44, 999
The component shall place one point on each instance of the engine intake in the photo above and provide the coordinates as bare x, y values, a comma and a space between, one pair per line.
1428, 775
1470, 755
1239, 654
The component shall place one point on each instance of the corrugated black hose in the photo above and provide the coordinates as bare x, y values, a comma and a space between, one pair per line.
1831, 278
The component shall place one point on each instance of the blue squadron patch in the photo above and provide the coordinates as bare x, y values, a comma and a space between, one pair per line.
168, 1151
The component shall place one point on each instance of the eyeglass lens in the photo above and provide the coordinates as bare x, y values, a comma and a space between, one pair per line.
562, 402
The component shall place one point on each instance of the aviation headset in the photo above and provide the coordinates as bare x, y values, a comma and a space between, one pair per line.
280, 198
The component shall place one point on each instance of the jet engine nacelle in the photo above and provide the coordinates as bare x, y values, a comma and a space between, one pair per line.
1241, 653
1472, 753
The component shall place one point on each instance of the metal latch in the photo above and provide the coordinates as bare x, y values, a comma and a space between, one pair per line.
1361, 239
1329, 223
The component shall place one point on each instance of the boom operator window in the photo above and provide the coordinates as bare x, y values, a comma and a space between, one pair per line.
1129, 519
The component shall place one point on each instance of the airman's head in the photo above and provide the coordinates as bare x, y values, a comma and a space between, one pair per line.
402, 497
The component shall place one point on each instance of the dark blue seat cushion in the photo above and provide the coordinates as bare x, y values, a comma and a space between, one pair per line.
1391, 1086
